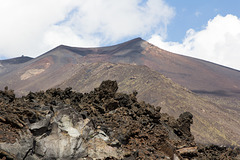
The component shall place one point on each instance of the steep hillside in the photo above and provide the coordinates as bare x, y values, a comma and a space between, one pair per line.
138, 65
158, 90
197, 75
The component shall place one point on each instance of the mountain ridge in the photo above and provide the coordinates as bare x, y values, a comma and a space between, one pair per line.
139, 54
86, 67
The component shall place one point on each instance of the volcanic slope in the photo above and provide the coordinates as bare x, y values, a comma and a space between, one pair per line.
212, 123
197, 75
9, 65
80, 68
152, 87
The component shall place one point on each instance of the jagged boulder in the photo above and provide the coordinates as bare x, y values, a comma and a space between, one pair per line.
102, 124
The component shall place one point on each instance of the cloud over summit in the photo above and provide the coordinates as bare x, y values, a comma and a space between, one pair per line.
31, 27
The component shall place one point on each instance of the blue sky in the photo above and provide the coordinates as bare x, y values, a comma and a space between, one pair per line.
195, 14
208, 30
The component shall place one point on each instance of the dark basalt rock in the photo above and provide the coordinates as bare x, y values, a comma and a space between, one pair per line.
102, 124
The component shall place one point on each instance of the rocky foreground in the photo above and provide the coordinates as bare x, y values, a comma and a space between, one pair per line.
102, 124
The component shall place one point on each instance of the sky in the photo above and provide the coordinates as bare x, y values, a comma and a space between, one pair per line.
209, 30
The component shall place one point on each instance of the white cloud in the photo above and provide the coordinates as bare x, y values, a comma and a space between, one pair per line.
219, 42
24, 22
112, 20
31, 27
56, 35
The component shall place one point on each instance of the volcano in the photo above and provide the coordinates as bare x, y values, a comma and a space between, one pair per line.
174, 82
197, 75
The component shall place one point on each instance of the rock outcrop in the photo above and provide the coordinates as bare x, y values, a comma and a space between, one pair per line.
102, 124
